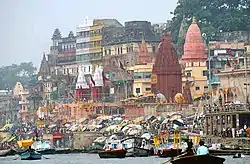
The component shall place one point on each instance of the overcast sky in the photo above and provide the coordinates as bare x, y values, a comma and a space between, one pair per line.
27, 26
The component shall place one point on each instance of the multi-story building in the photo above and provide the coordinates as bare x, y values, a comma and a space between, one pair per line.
89, 42
220, 53
8, 108
121, 46
23, 105
66, 58
142, 71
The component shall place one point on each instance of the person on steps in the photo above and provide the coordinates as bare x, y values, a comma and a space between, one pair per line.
202, 150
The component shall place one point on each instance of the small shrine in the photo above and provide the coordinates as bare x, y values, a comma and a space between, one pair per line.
82, 87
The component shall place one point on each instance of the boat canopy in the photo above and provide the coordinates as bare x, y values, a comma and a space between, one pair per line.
25, 143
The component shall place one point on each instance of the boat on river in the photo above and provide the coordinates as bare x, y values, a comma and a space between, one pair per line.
31, 155
164, 153
137, 147
198, 159
113, 149
113, 153
4, 153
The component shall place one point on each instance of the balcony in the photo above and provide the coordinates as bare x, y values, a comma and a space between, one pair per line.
66, 59
23, 102
190, 78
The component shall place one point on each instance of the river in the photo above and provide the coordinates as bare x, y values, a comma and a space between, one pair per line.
94, 159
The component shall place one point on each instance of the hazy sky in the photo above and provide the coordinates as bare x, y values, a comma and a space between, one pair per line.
27, 26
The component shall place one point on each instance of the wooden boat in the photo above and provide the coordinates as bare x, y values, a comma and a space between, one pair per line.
137, 147
113, 153
198, 159
164, 153
31, 156
47, 151
137, 152
4, 153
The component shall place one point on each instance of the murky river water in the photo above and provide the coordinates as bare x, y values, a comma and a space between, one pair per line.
94, 159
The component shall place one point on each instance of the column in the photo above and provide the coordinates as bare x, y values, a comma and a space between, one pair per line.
221, 127
216, 125
237, 121
211, 125
206, 127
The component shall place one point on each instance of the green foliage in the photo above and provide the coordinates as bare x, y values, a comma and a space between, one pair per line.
213, 16
23, 73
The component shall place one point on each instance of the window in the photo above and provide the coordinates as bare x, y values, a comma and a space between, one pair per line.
121, 50
205, 87
153, 49
109, 51
197, 88
89, 68
64, 71
105, 52
204, 72
189, 74
137, 90
148, 89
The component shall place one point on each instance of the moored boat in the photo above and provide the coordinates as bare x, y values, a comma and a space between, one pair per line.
137, 147
31, 156
164, 153
4, 153
198, 159
113, 153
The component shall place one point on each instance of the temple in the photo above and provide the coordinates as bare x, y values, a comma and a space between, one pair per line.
97, 89
167, 70
82, 87
194, 62
144, 56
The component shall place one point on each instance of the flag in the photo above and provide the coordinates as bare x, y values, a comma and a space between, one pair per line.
228, 63
235, 62
229, 51
19, 107
104, 78
92, 80
121, 66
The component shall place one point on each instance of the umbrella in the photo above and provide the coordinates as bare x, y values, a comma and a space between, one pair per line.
133, 132
112, 127
146, 135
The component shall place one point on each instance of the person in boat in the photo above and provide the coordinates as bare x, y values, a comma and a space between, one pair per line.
189, 150
202, 149
30, 149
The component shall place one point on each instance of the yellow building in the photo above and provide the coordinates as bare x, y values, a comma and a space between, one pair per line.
142, 79
196, 74
194, 62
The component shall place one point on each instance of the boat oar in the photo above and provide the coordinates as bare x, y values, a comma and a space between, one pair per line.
45, 157
16, 157
174, 157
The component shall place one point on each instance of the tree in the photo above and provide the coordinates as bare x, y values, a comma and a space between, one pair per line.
213, 16
23, 73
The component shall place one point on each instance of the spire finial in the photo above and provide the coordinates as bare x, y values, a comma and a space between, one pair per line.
194, 20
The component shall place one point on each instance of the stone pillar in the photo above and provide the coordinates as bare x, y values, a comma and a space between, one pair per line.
206, 125
221, 127
237, 121
216, 124
226, 121
231, 121
211, 125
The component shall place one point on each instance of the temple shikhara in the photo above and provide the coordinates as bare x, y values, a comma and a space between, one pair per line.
167, 69
193, 62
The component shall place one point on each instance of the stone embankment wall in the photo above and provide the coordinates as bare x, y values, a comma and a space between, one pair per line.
167, 109
241, 142
84, 139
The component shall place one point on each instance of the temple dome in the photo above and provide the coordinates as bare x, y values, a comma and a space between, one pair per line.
194, 48
98, 77
81, 80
